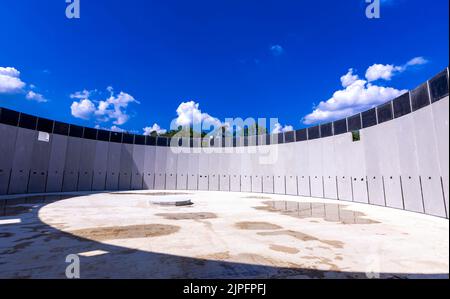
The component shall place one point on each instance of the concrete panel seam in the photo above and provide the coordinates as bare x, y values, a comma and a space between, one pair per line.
351, 184
443, 196
384, 191
401, 189
421, 193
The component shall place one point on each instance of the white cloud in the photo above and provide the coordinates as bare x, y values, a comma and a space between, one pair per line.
416, 61
111, 109
10, 81
348, 79
276, 50
358, 95
114, 108
117, 129
278, 128
33, 96
112, 128
189, 113
83, 109
382, 71
387, 71
155, 128
85, 94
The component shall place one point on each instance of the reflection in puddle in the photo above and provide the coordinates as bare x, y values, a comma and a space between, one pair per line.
21, 205
150, 193
326, 211
257, 197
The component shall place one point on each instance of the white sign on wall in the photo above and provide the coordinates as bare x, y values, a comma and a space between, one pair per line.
44, 137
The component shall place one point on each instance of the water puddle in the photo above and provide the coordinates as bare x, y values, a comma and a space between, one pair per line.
325, 211
188, 216
303, 237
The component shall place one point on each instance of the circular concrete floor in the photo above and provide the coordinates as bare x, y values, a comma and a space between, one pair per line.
221, 235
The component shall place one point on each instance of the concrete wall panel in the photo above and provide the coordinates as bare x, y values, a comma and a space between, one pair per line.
434, 201
235, 169
214, 154
39, 166
171, 161
72, 166
149, 168
213, 183
224, 182
291, 185
329, 168
21, 166
279, 184
86, 170
126, 162
100, 165
160, 167
373, 163
315, 167
246, 183
330, 187
342, 159
8, 135
440, 112
224, 170
113, 171
257, 184
303, 185
192, 181
357, 170
171, 181
160, 181
316, 185
194, 165
235, 182
183, 167
389, 167
137, 168
246, 168
203, 178
171, 169
393, 192
268, 184
182, 183
412, 193
407, 158
57, 163
428, 162
376, 190
344, 189
360, 189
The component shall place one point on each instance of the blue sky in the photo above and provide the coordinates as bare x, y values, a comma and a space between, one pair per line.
131, 64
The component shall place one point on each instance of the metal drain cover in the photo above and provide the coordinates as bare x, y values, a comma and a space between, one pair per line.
172, 201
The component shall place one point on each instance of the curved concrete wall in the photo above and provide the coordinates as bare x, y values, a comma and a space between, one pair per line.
401, 163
